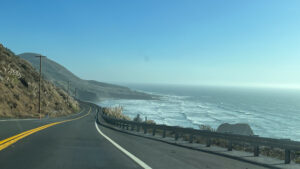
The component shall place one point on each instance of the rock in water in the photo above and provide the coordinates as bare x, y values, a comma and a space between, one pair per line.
239, 128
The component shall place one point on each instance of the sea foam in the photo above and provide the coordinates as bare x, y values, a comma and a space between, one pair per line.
185, 111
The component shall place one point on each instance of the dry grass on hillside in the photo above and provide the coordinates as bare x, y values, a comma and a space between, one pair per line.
19, 91
115, 112
150, 122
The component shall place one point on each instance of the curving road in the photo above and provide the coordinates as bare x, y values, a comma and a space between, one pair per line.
79, 143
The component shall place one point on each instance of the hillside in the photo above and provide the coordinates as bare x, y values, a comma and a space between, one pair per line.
19, 90
88, 90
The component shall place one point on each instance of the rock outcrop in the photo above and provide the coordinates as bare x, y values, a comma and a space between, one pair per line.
239, 128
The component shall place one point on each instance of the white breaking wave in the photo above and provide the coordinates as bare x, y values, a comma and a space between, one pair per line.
181, 111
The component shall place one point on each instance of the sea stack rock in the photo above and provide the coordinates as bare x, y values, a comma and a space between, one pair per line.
239, 128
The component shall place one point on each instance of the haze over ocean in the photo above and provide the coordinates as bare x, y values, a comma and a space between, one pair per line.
270, 112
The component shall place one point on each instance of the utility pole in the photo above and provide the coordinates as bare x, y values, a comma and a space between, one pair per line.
40, 79
75, 96
68, 92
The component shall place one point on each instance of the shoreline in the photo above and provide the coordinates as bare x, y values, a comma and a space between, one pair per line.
158, 111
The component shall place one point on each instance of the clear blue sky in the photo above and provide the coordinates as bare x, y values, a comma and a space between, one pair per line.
195, 42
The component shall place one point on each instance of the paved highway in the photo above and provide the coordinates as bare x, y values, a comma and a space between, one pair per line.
78, 142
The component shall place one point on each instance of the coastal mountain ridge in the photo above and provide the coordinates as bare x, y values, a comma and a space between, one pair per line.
88, 90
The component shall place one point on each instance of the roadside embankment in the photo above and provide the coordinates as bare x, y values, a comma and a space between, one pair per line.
19, 88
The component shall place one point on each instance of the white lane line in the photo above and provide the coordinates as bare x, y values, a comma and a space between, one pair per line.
134, 158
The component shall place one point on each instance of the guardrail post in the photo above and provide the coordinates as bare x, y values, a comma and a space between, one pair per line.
138, 127
132, 127
153, 131
127, 126
164, 133
287, 158
123, 125
191, 138
145, 129
256, 150
208, 142
229, 145
176, 136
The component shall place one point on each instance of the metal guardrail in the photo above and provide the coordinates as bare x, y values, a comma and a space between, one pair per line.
254, 141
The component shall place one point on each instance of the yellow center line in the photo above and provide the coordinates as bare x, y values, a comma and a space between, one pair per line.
11, 140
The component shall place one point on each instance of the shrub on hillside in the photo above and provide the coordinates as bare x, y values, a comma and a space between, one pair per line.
150, 122
206, 127
138, 118
115, 112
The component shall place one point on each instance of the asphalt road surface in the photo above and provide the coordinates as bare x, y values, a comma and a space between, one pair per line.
79, 143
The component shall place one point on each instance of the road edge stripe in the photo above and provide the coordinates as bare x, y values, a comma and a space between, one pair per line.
134, 158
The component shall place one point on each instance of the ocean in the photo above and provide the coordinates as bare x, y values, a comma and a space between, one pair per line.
271, 113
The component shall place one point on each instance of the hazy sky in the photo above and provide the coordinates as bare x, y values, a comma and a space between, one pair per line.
221, 42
